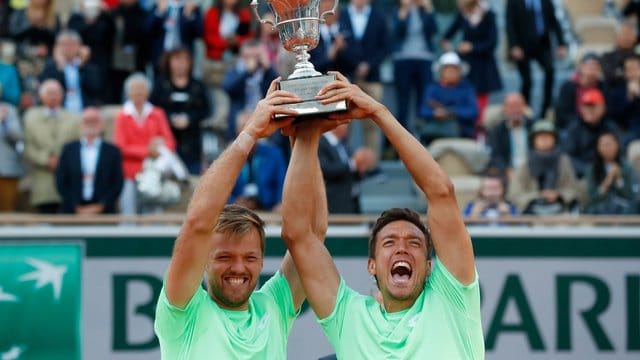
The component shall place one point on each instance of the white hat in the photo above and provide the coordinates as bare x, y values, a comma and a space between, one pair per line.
451, 58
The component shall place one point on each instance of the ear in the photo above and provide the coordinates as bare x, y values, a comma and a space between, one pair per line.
429, 266
371, 267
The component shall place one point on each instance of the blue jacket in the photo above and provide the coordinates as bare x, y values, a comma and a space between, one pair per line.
460, 99
371, 48
10, 84
268, 168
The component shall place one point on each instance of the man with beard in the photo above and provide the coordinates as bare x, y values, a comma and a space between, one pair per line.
430, 307
228, 320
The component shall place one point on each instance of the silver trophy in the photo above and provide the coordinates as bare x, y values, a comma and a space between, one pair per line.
298, 24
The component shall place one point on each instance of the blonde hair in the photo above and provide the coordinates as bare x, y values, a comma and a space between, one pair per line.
238, 220
48, 9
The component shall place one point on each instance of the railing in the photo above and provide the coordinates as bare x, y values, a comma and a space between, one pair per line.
274, 218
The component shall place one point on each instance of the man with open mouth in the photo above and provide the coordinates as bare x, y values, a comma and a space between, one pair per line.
228, 320
430, 306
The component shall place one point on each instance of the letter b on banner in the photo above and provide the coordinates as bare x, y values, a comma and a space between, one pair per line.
124, 286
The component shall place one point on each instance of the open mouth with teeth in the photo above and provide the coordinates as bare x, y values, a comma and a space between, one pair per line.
401, 272
236, 280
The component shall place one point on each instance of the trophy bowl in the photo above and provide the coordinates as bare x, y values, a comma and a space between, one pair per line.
298, 25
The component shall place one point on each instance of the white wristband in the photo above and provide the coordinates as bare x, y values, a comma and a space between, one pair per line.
245, 142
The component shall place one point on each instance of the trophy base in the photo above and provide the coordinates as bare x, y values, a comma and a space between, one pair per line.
307, 88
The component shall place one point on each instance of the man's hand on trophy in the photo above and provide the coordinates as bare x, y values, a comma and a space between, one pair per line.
262, 122
359, 104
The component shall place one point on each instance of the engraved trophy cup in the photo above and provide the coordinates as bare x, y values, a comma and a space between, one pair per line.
298, 24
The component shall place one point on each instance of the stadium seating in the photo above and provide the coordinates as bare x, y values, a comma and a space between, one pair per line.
580, 8
597, 30
492, 115
464, 160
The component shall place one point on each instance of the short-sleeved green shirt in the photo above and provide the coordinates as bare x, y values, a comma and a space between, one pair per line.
202, 330
443, 323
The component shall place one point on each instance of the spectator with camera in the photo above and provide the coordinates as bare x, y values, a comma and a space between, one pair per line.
70, 66
490, 202
96, 27
247, 82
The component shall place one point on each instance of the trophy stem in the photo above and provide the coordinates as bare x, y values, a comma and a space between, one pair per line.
303, 68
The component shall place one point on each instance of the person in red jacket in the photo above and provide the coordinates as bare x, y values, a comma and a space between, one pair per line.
137, 126
226, 26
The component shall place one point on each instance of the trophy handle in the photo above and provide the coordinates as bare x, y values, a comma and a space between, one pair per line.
328, 12
254, 6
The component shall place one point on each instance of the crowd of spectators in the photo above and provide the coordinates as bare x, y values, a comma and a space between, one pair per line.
59, 74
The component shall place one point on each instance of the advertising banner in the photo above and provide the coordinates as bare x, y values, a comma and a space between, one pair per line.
40, 307
555, 293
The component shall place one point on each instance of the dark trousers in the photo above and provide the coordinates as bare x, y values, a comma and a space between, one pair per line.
48, 208
543, 57
411, 78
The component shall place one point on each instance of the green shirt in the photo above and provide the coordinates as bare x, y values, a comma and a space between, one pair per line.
202, 330
443, 323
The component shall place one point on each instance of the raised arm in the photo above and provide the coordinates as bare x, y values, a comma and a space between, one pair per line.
450, 237
192, 247
304, 220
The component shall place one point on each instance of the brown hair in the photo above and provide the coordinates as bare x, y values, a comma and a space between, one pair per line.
50, 19
395, 214
165, 60
238, 220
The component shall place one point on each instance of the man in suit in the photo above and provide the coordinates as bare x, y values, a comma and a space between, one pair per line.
508, 140
47, 129
342, 171
530, 24
89, 177
80, 79
365, 32
332, 41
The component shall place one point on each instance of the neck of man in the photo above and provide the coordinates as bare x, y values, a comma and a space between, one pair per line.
394, 305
